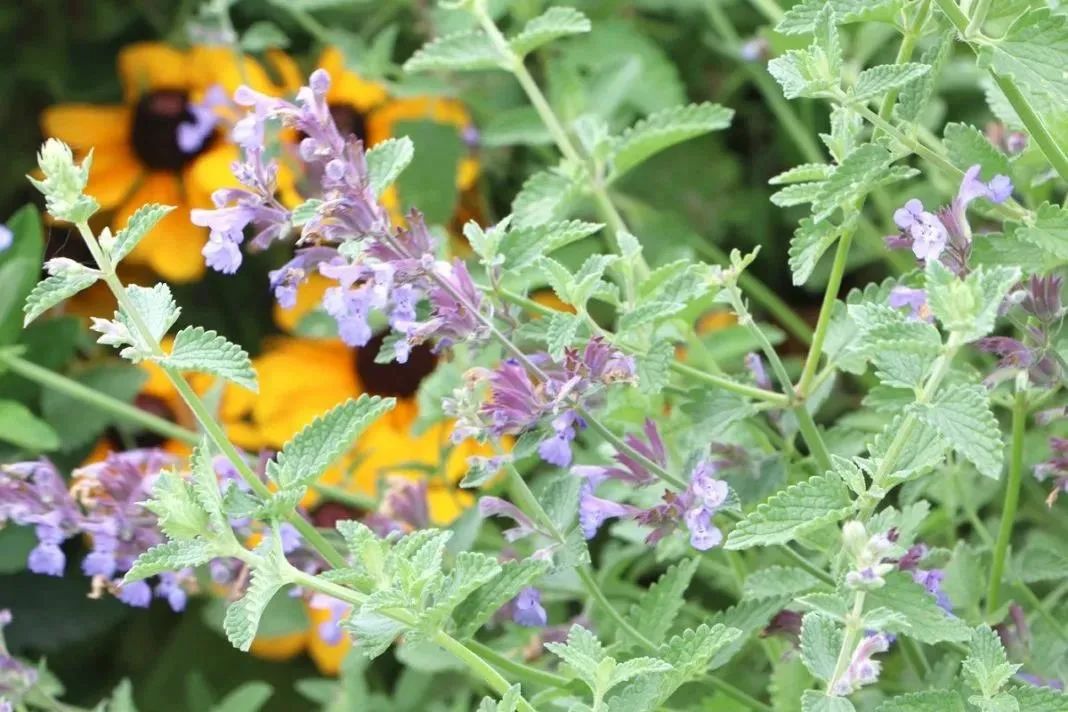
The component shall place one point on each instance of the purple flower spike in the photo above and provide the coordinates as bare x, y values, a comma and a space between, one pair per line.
863, 669
997, 190
527, 609
490, 506
595, 511
137, 594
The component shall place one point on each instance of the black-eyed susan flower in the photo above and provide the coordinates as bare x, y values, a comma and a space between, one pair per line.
161, 144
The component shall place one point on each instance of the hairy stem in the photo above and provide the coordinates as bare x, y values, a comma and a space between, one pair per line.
830, 296
904, 54
849, 640
480, 667
1012, 500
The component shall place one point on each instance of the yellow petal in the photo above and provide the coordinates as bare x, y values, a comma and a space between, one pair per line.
86, 126
173, 248
209, 172
446, 504
215, 65
289, 74
149, 66
279, 648
113, 175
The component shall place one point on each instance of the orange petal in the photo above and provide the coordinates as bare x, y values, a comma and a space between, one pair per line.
114, 173
148, 66
221, 65
86, 126
279, 648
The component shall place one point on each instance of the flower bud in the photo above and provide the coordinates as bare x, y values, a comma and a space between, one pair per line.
64, 182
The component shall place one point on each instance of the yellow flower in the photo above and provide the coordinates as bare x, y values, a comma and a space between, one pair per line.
137, 158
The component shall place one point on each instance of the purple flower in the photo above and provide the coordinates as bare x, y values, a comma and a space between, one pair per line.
629, 469
527, 609
171, 589
330, 630
406, 503
489, 506
914, 299
595, 511
556, 450
137, 594
1055, 468
928, 234
932, 581
1041, 298
47, 558
6, 238
997, 190
192, 135
222, 255
862, 669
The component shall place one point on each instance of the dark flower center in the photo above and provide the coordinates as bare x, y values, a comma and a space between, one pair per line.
349, 120
155, 130
400, 380
328, 514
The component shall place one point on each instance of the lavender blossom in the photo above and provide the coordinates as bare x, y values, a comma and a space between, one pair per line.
595, 511
862, 669
928, 234
1055, 468
629, 469
868, 555
192, 135
913, 299
330, 630
490, 506
7, 238
527, 609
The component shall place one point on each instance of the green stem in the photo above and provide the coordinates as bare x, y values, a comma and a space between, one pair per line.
830, 296
620, 445
978, 18
849, 640
516, 669
769, 9
203, 415
1012, 500
812, 437
1043, 610
594, 589
904, 54
480, 667
120, 409
953, 13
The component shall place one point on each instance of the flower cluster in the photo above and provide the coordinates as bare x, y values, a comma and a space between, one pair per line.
930, 579
1039, 302
346, 233
1055, 468
862, 669
105, 503
524, 393
695, 506
943, 235
868, 556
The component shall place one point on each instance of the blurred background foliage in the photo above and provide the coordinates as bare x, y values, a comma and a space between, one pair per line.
700, 199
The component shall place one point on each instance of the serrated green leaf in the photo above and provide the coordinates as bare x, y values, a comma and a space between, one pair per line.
157, 308
809, 243
386, 160
181, 517
968, 146
205, 485
1039, 699
470, 571
962, 414
968, 306
874, 82
926, 621
196, 349
544, 198
861, 171
554, 23
987, 666
789, 681
20, 427
797, 194
480, 606
654, 615
662, 130
694, 651
522, 247
801, 18
1035, 52
804, 173
799, 508
243, 615
927, 701
373, 631
57, 287
1048, 231
140, 224
746, 617
654, 367
821, 640
314, 448
463, 51
582, 652
779, 581
915, 97
170, 556
561, 332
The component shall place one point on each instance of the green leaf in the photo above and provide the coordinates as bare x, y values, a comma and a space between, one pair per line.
521, 247
927, 701
174, 502
1040, 560
554, 23
470, 571
20, 266
915, 97
691, 653
654, 367
962, 414
826, 47
140, 224
797, 194
635, 667
821, 640
205, 485
968, 306
779, 581
803, 174
924, 618
799, 508
873, 83
518, 126
544, 198
1048, 231
67, 279
746, 617
1035, 52
263, 35
809, 243
662, 130
374, 631
813, 701
1039, 699
22, 428
561, 332
314, 448
463, 51
987, 667
243, 615
480, 606
386, 160
429, 182
196, 349
802, 17
582, 653
863, 170
170, 556
968, 146
158, 313
654, 615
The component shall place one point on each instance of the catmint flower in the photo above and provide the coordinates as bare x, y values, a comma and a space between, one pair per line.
862, 669
595, 511
556, 450
785, 624
997, 190
927, 233
915, 300
1055, 468
527, 609
755, 365
7, 238
330, 630
755, 49
490, 506
137, 594
1041, 298
867, 554
708, 495
628, 469
192, 135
